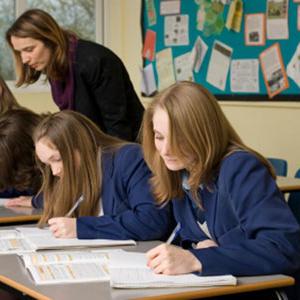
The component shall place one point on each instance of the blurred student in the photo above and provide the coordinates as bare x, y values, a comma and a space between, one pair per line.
7, 99
78, 161
19, 174
84, 76
234, 220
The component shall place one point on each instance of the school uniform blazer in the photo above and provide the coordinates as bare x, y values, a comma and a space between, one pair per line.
104, 93
128, 205
12, 193
247, 217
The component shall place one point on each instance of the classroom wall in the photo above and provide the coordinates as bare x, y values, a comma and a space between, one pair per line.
273, 128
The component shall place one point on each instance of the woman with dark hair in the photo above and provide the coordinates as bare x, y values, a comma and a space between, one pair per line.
84, 76
19, 174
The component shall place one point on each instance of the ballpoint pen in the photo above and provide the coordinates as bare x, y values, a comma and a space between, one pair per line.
174, 234
76, 204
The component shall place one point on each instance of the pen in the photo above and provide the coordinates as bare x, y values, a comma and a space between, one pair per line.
80, 199
174, 234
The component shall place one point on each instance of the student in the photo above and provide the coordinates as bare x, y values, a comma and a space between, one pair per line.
234, 220
19, 174
7, 99
84, 76
77, 159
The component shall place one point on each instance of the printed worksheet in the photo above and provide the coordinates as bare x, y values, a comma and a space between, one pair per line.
176, 30
198, 53
219, 65
277, 19
148, 80
255, 30
244, 76
293, 68
170, 7
183, 67
164, 68
273, 70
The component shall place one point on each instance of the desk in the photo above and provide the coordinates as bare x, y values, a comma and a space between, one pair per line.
288, 184
18, 215
14, 275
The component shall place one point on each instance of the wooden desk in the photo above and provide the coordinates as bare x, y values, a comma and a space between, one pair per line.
14, 275
288, 184
18, 215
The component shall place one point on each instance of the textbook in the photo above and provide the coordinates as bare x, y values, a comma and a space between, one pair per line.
42, 239
66, 267
29, 239
11, 241
129, 270
2, 201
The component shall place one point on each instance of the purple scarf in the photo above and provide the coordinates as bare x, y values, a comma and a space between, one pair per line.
63, 91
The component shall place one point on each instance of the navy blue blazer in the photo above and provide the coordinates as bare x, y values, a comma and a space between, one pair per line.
128, 205
12, 193
247, 217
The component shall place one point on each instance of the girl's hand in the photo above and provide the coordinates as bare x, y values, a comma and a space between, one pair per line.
172, 260
63, 227
24, 201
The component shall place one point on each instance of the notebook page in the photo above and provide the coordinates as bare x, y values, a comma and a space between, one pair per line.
129, 270
55, 257
144, 278
68, 273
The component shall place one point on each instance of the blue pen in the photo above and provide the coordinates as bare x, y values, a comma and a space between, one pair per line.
174, 234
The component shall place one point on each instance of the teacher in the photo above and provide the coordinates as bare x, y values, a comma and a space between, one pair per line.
84, 76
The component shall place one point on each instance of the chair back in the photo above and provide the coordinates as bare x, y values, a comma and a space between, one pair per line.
294, 201
280, 165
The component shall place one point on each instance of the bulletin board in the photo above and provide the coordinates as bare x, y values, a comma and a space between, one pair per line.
235, 40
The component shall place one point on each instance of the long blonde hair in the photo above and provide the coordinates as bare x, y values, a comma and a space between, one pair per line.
198, 129
81, 145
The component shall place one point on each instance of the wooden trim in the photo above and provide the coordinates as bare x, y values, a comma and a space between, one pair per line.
288, 184
226, 290
22, 288
291, 188
20, 219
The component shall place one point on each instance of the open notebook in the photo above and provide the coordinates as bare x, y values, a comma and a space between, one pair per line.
129, 270
28, 239
66, 267
123, 269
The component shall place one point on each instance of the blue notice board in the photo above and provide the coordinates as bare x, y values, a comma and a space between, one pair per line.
234, 40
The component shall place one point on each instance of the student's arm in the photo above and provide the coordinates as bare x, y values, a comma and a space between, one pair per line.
134, 214
21, 201
38, 201
267, 239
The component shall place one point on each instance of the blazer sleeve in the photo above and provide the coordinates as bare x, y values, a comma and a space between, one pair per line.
271, 240
37, 201
141, 219
111, 87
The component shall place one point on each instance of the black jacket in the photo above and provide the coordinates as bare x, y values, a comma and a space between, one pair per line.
104, 92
